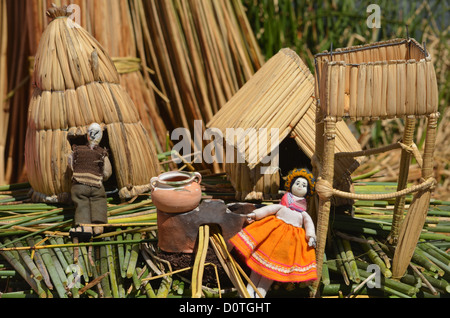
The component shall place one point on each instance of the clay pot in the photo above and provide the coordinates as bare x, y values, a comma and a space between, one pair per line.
176, 191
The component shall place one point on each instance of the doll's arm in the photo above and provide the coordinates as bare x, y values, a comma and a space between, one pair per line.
263, 212
309, 229
70, 161
107, 169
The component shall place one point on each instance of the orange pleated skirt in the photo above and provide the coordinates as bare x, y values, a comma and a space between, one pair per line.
277, 250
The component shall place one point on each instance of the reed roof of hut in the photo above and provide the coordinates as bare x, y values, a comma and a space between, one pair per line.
281, 96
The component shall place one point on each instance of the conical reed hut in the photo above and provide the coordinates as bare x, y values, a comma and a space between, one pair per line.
279, 96
118, 28
76, 84
387, 79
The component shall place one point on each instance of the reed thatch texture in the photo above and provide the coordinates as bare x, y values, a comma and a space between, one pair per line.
17, 94
117, 26
166, 82
381, 80
77, 84
202, 53
279, 96
119, 29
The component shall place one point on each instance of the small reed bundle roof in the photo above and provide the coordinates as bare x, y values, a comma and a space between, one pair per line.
381, 80
76, 84
281, 96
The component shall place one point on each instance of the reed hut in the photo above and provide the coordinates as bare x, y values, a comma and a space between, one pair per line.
76, 84
388, 79
279, 96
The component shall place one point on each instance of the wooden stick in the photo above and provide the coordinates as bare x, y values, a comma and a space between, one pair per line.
405, 162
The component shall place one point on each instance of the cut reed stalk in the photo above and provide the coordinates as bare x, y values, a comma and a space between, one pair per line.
52, 270
59, 253
325, 272
420, 258
340, 262
112, 271
388, 282
29, 262
374, 257
351, 259
134, 253
442, 258
16, 264
104, 268
121, 255
59, 268
231, 267
198, 268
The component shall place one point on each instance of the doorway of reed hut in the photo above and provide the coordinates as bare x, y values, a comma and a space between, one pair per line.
111, 185
291, 157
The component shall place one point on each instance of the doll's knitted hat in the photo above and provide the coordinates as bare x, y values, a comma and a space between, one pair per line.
304, 173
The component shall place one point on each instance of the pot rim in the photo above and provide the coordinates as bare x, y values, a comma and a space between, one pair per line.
191, 176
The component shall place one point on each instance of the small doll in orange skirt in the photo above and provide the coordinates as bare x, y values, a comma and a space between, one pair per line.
279, 244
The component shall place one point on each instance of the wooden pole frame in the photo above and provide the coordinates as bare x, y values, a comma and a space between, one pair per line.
415, 218
326, 172
405, 161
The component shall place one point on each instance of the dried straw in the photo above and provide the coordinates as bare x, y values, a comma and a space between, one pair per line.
4, 114
202, 53
215, 54
17, 93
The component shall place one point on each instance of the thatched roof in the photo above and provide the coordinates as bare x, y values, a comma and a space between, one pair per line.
387, 79
76, 84
281, 95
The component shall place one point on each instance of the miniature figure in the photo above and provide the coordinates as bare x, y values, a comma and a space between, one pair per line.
279, 244
91, 167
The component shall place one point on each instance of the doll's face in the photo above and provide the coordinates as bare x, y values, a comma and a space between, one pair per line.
95, 134
300, 187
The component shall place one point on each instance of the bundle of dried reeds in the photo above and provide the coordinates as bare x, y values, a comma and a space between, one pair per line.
116, 25
77, 84
12, 104
202, 53
3, 87
120, 30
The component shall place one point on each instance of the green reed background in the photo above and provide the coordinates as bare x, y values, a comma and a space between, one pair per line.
310, 27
